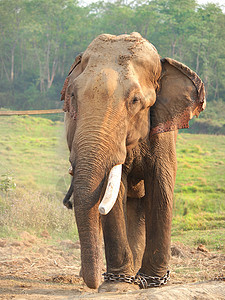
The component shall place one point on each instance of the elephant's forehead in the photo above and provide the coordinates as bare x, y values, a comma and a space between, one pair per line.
130, 56
108, 80
120, 50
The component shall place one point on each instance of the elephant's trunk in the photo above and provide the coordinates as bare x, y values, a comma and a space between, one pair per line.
89, 229
92, 160
89, 225
89, 179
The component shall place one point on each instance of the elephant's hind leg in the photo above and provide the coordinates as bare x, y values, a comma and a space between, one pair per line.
136, 229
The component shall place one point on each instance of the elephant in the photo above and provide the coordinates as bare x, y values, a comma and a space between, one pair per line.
123, 107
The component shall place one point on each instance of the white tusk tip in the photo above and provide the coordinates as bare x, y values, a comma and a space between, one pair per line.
102, 210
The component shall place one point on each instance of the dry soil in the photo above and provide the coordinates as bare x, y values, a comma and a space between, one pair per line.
38, 268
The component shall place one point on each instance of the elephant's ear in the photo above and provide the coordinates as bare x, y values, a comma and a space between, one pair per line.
181, 96
74, 72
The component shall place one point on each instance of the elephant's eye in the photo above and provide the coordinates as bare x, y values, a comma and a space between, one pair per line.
135, 100
72, 94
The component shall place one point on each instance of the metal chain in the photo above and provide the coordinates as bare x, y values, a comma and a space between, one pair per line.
220, 277
154, 281
142, 280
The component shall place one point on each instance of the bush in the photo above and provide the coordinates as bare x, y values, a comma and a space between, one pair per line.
6, 183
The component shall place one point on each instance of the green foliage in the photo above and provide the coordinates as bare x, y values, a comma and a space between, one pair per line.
40, 39
6, 183
212, 121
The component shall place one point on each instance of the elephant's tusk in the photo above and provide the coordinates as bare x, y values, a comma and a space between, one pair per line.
111, 191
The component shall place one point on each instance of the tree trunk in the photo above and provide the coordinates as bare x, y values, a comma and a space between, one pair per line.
173, 46
12, 66
21, 55
54, 67
63, 61
4, 67
42, 83
197, 59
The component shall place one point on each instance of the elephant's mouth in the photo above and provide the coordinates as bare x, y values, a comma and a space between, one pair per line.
130, 141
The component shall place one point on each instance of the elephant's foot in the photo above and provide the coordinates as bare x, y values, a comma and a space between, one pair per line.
117, 287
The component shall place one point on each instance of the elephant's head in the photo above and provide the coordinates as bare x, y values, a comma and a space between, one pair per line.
116, 94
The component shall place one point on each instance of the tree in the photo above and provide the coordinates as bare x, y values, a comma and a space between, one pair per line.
11, 15
41, 38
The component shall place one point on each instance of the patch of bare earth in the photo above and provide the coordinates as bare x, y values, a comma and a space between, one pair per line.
34, 268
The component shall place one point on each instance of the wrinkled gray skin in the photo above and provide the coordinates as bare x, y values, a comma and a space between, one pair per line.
124, 106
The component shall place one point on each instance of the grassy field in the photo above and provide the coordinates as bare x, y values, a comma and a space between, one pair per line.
34, 157
33, 151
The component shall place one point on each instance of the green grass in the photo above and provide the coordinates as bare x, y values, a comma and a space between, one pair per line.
34, 156
34, 151
199, 200
213, 239
200, 184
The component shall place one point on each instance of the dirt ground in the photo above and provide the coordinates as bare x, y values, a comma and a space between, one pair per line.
35, 268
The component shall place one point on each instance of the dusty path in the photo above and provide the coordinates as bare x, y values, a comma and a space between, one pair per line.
37, 268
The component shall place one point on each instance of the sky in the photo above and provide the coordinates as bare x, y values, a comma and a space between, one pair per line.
220, 2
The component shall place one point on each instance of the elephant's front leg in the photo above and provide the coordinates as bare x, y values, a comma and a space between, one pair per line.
160, 176
119, 258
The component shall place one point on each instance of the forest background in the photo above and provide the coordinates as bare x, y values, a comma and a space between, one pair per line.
41, 38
